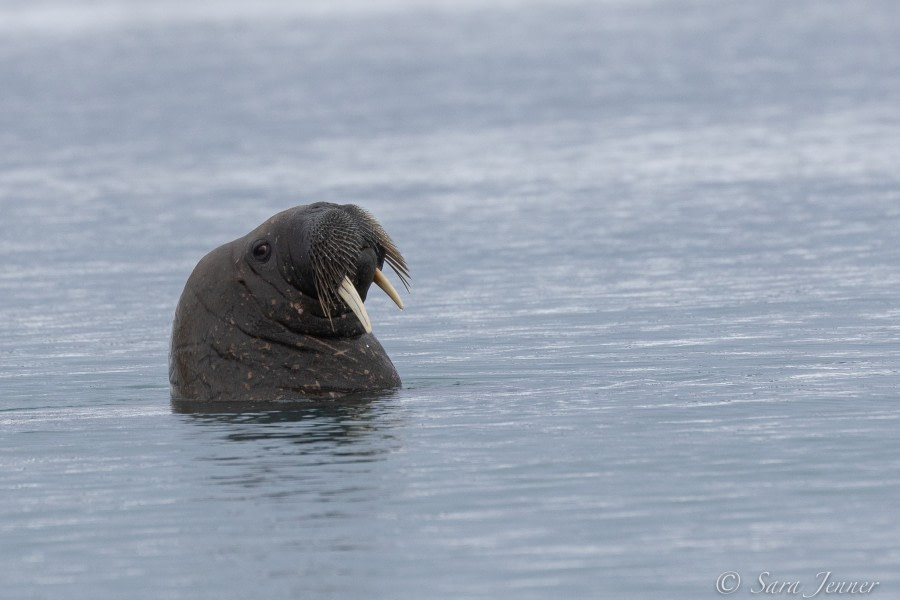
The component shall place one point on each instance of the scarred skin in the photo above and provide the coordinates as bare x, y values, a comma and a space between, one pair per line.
248, 329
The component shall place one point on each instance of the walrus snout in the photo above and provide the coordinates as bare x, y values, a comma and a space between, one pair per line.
341, 250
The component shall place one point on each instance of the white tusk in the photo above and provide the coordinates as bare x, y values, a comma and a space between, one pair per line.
349, 295
382, 282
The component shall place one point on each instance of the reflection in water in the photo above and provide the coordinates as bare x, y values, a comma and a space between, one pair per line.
325, 448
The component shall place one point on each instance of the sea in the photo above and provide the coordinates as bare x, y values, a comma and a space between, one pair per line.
651, 347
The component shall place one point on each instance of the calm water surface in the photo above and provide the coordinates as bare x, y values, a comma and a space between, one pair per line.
654, 332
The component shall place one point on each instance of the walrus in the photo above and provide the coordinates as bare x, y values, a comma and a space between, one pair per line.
279, 314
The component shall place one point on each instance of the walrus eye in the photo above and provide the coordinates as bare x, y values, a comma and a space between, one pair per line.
262, 250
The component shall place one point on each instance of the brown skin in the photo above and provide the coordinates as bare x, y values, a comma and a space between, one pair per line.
251, 325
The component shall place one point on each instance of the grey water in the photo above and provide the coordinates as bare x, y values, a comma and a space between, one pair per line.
653, 335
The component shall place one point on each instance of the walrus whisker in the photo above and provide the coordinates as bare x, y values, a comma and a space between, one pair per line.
393, 257
378, 237
336, 242
351, 297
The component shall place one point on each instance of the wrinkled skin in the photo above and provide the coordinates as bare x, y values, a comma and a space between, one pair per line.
251, 326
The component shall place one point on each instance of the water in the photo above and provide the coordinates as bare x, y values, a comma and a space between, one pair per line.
653, 332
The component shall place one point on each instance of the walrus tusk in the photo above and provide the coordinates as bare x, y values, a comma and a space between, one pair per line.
382, 282
349, 295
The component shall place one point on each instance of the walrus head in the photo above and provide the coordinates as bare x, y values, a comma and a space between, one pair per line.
332, 254
280, 312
